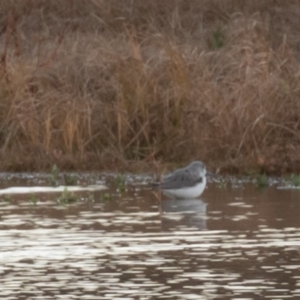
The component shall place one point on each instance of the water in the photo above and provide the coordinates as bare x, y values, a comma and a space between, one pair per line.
237, 242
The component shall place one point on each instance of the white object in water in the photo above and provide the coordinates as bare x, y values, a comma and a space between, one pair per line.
49, 189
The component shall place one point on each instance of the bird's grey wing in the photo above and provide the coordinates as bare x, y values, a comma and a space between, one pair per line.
178, 179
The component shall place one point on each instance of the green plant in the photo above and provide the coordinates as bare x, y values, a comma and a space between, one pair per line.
8, 198
67, 197
262, 180
121, 182
223, 184
219, 39
33, 198
295, 179
70, 179
54, 176
106, 197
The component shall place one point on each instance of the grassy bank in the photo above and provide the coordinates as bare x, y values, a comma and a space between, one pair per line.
118, 84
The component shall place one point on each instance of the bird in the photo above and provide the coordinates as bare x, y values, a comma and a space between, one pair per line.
184, 183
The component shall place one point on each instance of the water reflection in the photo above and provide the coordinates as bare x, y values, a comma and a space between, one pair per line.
189, 213
235, 243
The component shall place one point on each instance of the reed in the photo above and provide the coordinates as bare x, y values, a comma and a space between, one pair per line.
107, 84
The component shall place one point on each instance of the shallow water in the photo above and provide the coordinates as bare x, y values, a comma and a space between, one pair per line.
237, 242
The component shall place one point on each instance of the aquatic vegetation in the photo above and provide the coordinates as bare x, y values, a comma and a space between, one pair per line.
121, 182
70, 179
8, 198
262, 180
54, 176
223, 184
295, 179
67, 197
106, 197
33, 198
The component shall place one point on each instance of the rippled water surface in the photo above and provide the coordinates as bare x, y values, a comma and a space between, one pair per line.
236, 242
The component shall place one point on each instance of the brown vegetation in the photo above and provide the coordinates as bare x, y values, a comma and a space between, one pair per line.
104, 83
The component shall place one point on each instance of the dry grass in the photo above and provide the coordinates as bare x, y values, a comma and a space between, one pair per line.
102, 84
